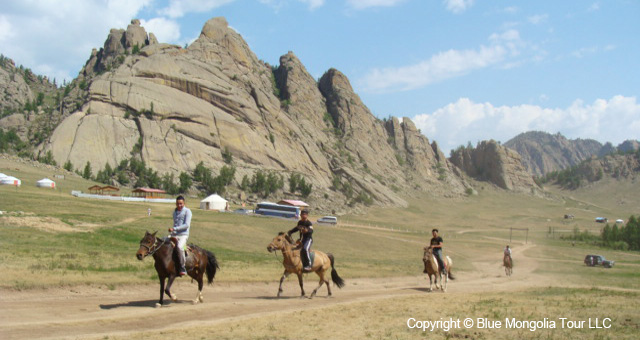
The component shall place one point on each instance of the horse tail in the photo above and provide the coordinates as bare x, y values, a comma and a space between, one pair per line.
334, 274
212, 266
449, 272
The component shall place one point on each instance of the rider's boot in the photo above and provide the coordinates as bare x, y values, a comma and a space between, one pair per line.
181, 269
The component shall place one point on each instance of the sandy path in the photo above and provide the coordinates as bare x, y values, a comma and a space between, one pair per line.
89, 312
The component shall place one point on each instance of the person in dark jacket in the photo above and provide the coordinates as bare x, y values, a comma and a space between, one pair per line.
305, 228
436, 245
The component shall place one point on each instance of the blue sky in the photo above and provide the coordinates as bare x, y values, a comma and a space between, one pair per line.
463, 70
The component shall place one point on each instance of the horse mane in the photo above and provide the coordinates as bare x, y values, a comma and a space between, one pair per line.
281, 233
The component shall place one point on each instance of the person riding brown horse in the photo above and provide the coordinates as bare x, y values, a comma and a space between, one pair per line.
198, 262
320, 264
507, 261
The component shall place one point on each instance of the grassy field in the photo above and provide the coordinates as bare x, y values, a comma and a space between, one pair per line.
52, 239
390, 318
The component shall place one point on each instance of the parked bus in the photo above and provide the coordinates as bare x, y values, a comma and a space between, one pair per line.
272, 209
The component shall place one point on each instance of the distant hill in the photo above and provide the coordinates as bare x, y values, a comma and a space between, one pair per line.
542, 152
620, 165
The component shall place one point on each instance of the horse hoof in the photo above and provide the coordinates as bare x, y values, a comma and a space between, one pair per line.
158, 305
174, 298
194, 302
200, 299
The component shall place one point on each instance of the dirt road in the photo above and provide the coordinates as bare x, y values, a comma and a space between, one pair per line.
90, 312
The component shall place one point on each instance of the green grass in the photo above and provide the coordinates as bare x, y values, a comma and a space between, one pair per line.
104, 237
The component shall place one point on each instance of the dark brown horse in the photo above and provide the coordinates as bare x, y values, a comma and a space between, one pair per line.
197, 261
292, 264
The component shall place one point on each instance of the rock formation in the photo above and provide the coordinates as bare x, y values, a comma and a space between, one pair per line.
185, 106
489, 161
542, 152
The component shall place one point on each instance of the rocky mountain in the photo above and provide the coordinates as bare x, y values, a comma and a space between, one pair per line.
32, 105
621, 165
492, 162
175, 107
542, 152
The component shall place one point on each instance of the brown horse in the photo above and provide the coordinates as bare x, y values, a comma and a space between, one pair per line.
432, 269
292, 264
197, 261
508, 265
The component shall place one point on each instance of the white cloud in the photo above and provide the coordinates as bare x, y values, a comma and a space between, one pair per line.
458, 6
510, 9
54, 38
6, 30
362, 4
537, 19
313, 4
614, 120
444, 65
166, 30
594, 7
178, 8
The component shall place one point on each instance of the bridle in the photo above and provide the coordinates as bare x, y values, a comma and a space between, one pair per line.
154, 248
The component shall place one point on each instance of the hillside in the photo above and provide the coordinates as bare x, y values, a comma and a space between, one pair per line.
175, 107
619, 166
32, 105
542, 152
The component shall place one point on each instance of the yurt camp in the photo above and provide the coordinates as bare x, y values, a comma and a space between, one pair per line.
213, 202
46, 183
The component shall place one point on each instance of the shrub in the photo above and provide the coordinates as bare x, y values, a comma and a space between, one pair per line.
86, 174
68, 166
227, 156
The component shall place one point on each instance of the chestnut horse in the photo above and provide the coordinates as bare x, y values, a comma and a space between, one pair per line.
197, 261
508, 265
432, 269
293, 265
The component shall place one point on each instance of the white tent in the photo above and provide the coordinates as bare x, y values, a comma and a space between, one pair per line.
2, 175
213, 202
46, 183
9, 180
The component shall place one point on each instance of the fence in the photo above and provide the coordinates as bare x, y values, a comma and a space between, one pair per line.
123, 198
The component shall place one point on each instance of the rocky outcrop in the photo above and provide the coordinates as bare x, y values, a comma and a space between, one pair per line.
542, 152
489, 161
118, 43
14, 91
179, 107
629, 146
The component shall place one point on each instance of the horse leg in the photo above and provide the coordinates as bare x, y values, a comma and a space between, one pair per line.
302, 294
321, 275
199, 295
168, 290
326, 282
443, 284
162, 279
284, 276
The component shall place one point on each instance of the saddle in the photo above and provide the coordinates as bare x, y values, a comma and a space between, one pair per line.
189, 250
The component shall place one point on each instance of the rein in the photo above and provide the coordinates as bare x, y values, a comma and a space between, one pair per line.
154, 248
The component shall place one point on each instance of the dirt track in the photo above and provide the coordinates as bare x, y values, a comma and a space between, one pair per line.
86, 312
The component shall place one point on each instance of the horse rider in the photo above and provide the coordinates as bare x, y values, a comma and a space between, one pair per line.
507, 252
436, 245
180, 231
305, 228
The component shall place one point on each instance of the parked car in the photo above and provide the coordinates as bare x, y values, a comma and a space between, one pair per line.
598, 260
602, 219
328, 220
243, 211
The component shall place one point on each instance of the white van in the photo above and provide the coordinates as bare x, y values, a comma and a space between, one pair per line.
328, 220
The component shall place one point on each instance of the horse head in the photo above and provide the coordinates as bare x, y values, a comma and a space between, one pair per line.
147, 242
278, 242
